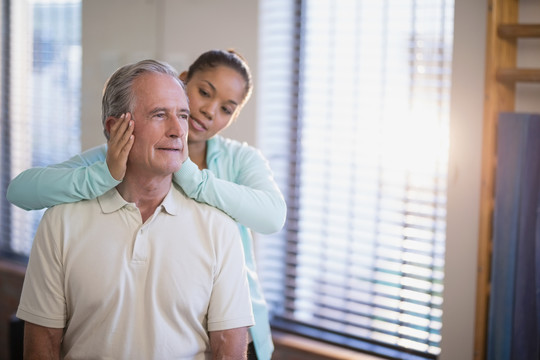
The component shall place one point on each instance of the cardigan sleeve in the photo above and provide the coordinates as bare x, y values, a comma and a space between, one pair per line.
253, 199
84, 176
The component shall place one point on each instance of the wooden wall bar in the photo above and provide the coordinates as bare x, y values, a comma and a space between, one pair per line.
500, 53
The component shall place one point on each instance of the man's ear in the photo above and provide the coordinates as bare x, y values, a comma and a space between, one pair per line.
183, 76
109, 122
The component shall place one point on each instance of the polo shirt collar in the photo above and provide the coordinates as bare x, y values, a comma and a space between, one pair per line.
169, 205
112, 201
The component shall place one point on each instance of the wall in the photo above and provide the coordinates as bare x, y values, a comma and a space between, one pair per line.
116, 32
464, 180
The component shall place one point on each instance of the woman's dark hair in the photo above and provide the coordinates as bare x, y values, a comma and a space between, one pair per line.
229, 58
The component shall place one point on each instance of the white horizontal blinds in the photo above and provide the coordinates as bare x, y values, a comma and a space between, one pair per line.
56, 79
44, 84
278, 96
365, 256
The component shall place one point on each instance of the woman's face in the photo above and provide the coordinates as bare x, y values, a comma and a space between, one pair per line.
215, 97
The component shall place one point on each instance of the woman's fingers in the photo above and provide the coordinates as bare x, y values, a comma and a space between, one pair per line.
119, 145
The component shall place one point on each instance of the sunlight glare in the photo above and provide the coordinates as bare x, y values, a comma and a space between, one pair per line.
415, 141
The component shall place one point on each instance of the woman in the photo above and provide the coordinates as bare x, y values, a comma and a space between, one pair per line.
224, 173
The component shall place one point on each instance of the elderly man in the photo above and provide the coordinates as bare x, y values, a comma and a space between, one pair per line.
141, 272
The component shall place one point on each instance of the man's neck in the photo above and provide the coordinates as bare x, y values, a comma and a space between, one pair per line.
147, 194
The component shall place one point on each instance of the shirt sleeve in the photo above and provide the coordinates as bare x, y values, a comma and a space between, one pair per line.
230, 302
84, 176
253, 199
42, 299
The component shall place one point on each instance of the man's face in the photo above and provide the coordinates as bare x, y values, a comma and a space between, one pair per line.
160, 115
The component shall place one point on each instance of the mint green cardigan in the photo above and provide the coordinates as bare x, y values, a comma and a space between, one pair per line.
238, 181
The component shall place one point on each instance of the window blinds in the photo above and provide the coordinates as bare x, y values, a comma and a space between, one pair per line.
355, 105
41, 62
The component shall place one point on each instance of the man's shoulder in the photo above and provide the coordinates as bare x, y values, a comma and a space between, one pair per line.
69, 209
204, 210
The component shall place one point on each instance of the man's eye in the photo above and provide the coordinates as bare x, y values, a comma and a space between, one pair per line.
227, 111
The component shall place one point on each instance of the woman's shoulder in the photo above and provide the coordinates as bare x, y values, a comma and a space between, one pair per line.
232, 146
235, 155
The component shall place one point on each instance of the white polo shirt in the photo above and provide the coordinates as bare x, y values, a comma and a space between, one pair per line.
127, 290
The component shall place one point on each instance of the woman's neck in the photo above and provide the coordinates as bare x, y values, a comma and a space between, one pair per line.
197, 154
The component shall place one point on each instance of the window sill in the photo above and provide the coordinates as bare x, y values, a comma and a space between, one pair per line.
11, 267
11, 282
290, 346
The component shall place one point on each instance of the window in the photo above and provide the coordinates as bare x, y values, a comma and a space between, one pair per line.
354, 108
41, 81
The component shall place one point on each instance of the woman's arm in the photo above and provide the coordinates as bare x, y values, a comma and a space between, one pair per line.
84, 176
253, 199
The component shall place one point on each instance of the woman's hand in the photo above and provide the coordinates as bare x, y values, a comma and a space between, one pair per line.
119, 145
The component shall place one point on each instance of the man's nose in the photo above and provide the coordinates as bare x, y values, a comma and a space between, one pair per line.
178, 127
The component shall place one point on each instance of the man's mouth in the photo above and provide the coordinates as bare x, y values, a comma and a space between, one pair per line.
170, 148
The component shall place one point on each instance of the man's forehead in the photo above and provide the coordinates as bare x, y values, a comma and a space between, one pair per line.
155, 88
155, 79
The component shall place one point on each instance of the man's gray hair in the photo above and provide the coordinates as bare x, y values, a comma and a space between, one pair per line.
118, 96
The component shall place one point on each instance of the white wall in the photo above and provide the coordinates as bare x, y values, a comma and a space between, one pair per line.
119, 31
464, 175
116, 32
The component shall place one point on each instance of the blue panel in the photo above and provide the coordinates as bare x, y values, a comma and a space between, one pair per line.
513, 325
525, 326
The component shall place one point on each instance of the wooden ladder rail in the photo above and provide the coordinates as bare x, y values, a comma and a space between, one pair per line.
501, 76
512, 32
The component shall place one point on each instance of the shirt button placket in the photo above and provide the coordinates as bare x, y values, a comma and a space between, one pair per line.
140, 250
